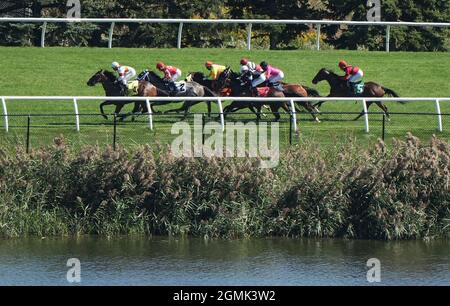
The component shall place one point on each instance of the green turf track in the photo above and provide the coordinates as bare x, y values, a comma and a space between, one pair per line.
64, 71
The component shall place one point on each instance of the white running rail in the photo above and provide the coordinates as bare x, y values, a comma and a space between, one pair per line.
219, 101
249, 22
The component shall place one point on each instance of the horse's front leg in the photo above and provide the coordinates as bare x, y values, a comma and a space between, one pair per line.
117, 111
311, 110
319, 104
362, 112
230, 109
274, 108
137, 109
186, 105
208, 104
102, 110
257, 112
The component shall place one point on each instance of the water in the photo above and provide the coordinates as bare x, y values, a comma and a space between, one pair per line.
169, 261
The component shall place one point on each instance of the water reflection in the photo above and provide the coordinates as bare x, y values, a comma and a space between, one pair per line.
170, 261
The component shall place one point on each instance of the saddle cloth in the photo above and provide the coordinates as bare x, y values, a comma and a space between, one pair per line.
263, 91
133, 86
181, 86
357, 88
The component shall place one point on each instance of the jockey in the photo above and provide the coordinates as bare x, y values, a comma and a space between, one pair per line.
353, 75
171, 74
215, 69
273, 75
126, 73
255, 73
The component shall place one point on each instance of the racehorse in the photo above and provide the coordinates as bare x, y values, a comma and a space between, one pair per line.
107, 79
289, 90
200, 78
185, 89
339, 88
299, 91
240, 89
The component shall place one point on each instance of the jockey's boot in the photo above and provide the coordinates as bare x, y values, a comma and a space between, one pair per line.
278, 86
123, 89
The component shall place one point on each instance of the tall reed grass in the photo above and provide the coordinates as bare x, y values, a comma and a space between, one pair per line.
400, 192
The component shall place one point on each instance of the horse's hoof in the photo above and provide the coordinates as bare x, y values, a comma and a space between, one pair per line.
318, 120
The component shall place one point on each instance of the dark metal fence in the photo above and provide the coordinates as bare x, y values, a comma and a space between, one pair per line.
35, 130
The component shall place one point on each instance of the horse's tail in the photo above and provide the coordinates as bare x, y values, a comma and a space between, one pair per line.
392, 93
209, 92
312, 92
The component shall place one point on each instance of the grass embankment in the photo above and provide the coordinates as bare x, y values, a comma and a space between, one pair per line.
341, 192
64, 71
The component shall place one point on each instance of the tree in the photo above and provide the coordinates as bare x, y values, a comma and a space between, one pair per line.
402, 38
274, 9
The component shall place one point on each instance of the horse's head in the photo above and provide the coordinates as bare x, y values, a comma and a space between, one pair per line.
155, 79
224, 78
195, 77
323, 74
143, 76
98, 77
189, 77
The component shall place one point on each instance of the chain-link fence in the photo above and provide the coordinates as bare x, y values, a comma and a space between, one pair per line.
33, 131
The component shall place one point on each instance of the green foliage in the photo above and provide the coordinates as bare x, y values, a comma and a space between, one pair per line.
277, 36
402, 38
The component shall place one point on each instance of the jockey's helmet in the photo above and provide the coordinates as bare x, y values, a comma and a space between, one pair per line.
264, 65
160, 66
115, 65
244, 69
343, 64
244, 61
208, 64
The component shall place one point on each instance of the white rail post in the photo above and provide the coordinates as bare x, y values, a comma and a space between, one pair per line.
249, 36
294, 115
439, 115
318, 37
222, 119
5, 114
180, 33
150, 114
366, 115
111, 33
388, 37
77, 114
44, 28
